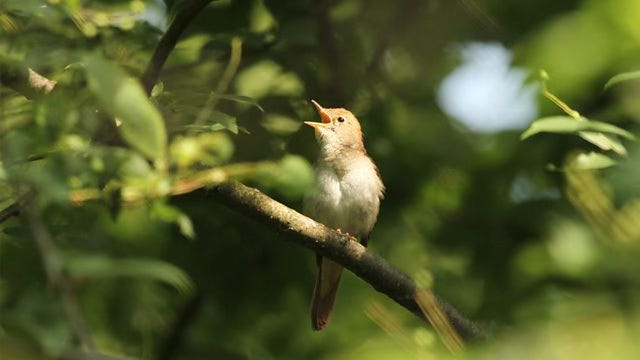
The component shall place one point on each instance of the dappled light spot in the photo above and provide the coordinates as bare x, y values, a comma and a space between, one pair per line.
485, 93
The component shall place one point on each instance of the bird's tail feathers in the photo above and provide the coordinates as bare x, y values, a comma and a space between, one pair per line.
324, 293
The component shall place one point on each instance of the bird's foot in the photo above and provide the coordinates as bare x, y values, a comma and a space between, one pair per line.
348, 234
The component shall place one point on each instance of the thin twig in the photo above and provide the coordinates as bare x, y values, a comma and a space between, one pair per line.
405, 18
232, 66
15, 208
53, 270
390, 323
430, 308
475, 10
88, 355
133, 195
24, 79
223, 84
10, 211
168, 41
173, 342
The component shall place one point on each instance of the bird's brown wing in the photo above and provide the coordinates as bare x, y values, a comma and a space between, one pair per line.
365, 239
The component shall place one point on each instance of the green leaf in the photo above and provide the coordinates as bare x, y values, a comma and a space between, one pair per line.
88, 265
590, 161
239, 98
567, 124
186, 226
633, 75
135, 166
225, 120
172, 214
217, 121
292, 176
268, 78
208, 149
141, 126
188, 50
158, 89
281, 124
604, 142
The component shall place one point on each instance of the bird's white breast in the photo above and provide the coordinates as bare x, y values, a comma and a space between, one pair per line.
349, 199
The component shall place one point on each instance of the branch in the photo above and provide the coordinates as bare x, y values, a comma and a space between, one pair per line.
173, 342
55, 276
24, 80
225, 79
9, 211
169, 40
476, 11
338, 247
88, 355
405, 18
15, 208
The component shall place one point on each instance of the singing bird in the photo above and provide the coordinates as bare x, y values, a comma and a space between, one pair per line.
346, 196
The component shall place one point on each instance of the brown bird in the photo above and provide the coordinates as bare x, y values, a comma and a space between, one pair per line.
346, 196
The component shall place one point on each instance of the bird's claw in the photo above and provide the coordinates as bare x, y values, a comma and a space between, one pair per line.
348, 234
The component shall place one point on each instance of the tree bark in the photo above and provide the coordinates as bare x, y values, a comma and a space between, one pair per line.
340, 248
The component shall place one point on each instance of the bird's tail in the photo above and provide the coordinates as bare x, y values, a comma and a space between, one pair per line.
324, 293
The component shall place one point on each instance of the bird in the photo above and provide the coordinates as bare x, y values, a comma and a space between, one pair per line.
346, 197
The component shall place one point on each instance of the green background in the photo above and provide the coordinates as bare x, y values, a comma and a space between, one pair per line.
481, 214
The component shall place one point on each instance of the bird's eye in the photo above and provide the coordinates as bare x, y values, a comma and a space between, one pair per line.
341, 119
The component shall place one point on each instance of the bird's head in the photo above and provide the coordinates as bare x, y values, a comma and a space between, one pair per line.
338, 129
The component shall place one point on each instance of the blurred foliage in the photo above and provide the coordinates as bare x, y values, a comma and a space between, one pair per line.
538, 239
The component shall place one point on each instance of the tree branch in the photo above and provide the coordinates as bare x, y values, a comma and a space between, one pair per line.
53, 270
170, 347
478, 13
406, 17
169, 40
15, 208
338, 247
24, 80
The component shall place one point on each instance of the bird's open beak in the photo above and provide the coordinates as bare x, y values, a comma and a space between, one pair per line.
326, 119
